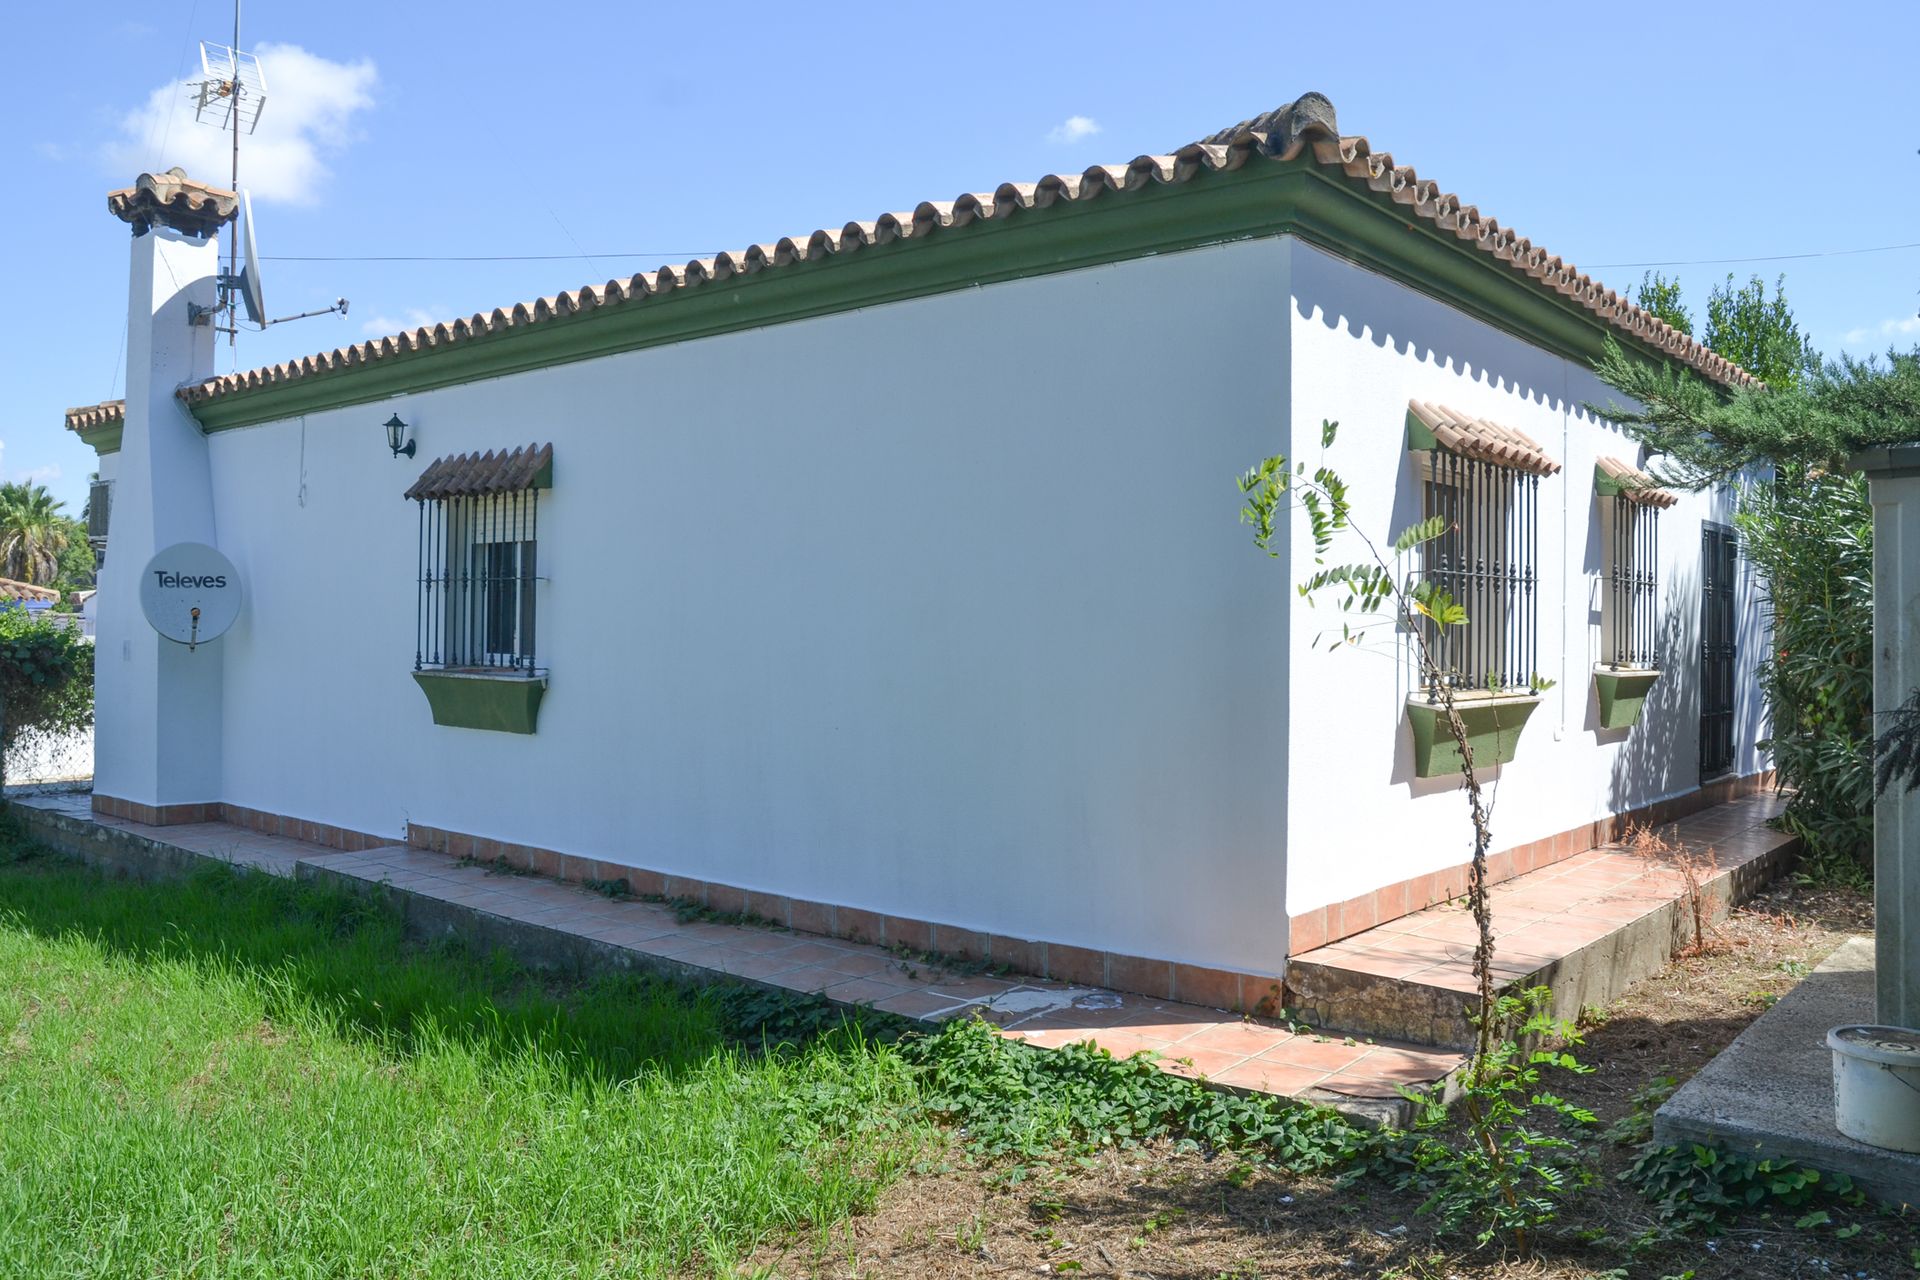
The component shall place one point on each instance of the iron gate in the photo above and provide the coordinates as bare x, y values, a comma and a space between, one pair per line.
1719, 552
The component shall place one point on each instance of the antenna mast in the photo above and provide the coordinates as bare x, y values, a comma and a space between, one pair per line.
233, 241
231, 93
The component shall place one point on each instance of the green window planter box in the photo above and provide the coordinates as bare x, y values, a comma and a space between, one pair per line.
1493, 724
477, 700
1622, 696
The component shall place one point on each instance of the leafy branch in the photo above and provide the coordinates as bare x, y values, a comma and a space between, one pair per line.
1371, 586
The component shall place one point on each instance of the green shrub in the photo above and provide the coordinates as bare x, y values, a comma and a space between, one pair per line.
1698, 1185
46, 680
1013, 1100
1812, 541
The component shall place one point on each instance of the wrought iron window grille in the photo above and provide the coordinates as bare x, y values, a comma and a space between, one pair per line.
1487, 560
1633, 597
478, 569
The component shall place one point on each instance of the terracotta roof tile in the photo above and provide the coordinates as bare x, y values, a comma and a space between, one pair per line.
1634, 484
173, 200
1472, 437
1304, 128
91, 417
473, 475
12, 590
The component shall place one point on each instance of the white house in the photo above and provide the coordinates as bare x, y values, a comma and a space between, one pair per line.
889, 580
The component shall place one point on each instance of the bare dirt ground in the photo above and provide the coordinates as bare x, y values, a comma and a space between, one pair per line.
1161, 1213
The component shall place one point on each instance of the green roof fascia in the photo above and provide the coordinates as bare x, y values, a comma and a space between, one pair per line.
103, 440
1263, 198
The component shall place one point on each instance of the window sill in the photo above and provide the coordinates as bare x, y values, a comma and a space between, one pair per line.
1493, 722
1623, 694
477, 698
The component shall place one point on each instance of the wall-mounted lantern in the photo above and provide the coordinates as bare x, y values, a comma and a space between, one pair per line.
397, 432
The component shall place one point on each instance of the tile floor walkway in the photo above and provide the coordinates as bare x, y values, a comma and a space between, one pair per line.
1548, 914
1540, 917
1224, 1048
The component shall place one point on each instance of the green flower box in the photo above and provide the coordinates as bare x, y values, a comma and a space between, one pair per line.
1623, 694
1493, 723
483, 700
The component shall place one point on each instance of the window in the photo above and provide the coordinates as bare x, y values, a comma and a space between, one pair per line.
1631, 527
1486, 560
1482, 481
1633, 552
479, 538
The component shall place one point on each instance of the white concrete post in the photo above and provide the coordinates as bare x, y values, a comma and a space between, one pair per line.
157, 706
1893, 478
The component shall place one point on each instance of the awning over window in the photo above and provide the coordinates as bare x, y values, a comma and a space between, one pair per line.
473, 475
1614, 478
1433, 426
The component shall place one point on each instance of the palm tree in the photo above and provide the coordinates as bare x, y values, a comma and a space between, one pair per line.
32, 533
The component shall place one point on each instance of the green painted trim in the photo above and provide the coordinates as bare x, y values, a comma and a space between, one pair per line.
1419, 435
1493, 732
103, 440
1264, 198
1623, 694
504, 704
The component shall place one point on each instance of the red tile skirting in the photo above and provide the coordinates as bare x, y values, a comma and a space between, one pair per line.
1059, 961
1160, 979
273, 824
1337, 920
160, 815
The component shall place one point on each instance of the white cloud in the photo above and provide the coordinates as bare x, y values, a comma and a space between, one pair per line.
309, 114
1073, 129
1897, 327
32, 475
383, 325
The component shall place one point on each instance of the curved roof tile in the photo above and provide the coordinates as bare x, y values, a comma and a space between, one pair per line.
1472, 437
1305, 127
1634, 484
91, 417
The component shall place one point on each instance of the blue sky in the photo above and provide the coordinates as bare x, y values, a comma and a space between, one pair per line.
641, 133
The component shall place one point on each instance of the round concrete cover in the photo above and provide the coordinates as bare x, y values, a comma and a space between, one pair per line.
190, 593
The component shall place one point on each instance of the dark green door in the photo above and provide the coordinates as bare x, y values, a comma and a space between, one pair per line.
1719, 552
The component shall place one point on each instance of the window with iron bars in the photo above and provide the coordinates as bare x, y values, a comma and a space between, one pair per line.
1632, 604
1487, 561
478, 568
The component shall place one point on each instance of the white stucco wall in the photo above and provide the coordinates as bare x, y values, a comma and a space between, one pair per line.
1362, 347
157, 706
940, 609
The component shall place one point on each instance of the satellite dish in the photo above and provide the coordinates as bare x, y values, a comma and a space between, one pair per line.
249, 281
190, 593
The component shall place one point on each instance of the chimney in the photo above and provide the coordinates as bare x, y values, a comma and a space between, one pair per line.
157, 705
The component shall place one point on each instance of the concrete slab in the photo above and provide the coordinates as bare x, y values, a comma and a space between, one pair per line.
1770, 1092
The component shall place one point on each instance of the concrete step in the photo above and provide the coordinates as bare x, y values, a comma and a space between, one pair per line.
1587, 927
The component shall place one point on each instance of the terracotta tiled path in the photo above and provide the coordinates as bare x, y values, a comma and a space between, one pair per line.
1223, 1047
1589, 926
1543, 916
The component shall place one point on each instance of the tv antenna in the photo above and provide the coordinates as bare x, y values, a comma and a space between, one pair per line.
230, 95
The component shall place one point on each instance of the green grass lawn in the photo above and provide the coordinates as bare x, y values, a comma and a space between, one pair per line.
235, 1075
